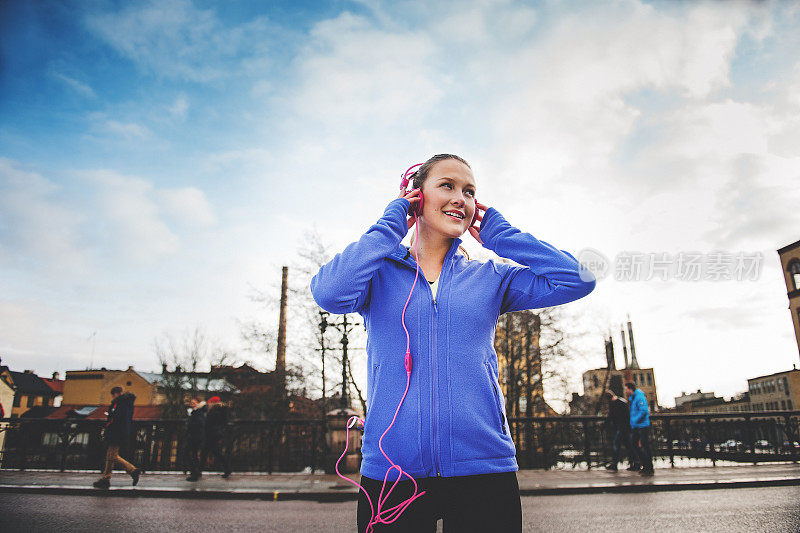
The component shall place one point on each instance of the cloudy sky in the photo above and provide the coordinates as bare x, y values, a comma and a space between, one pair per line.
159, 159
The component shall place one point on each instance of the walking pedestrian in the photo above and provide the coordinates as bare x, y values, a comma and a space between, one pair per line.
216, 423
435, 412
640, 427
619, 421
117, 433
195, 435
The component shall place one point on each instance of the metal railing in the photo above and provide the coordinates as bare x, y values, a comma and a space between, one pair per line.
296, 445
253, 445
585, 441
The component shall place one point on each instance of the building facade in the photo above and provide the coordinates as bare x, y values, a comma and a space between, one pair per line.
30, 391
790, 261
775, 392
92, 387
598, 381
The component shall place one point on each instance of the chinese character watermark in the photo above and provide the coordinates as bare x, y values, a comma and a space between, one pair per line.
682, 266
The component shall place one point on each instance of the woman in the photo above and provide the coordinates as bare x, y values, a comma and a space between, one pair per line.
450, 433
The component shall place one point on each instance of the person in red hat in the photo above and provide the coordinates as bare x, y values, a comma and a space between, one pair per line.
216, 422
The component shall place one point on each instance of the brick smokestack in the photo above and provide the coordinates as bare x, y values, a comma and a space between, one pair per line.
280, 359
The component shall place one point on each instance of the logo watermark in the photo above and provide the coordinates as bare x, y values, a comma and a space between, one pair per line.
681, 266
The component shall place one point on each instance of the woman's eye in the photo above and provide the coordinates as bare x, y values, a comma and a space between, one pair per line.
448, 185
471, 193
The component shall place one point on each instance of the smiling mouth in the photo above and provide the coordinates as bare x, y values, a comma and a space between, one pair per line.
454, 214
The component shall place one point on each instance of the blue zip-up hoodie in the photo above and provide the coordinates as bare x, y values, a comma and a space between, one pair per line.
640, 411
452, 422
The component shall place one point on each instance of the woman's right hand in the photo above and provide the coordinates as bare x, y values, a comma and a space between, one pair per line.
414, 196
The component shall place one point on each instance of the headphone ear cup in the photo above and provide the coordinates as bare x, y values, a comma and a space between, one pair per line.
417, 207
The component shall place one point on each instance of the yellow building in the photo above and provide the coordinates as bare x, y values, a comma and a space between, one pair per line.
790, 261
775, 392
92, 387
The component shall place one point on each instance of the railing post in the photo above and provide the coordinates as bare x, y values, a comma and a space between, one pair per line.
710, 439
751, 441
668, 433
313, 447
791, 436
587, 451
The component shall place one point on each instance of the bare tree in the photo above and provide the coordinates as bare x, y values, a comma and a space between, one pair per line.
320, 370
535, 351
181, 359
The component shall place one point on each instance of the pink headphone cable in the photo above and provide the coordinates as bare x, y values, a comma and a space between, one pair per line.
393, 512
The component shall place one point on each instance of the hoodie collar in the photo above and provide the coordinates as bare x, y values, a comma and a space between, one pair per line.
403, 255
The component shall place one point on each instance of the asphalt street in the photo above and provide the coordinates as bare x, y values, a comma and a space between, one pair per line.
767, 509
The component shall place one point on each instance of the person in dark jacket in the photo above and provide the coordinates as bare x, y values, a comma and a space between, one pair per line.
619, 421
118, 433
216, 422
195, 435
640, 427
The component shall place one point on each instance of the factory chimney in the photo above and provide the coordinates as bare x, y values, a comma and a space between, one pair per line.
634, 362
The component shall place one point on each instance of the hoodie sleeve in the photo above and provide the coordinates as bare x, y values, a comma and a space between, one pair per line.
342, 285
548, 276
639, 408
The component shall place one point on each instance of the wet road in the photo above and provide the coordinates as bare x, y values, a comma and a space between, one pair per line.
769, 509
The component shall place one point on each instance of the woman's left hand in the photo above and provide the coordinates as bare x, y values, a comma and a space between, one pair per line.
474, 230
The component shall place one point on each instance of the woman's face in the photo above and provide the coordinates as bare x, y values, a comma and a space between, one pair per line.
449, 193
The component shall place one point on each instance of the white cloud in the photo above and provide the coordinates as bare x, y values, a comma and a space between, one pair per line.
353, 74
187, 206
180, 107
36, 227
175, 39
78, 86
127, 130
132, 222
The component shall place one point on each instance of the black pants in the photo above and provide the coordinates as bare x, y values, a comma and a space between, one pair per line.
641, 447
485, 502
213, 446
622, 438
193, 448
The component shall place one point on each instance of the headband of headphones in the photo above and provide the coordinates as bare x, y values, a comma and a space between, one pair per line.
407, 175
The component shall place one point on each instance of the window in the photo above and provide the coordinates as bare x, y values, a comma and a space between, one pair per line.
50, 439
789, 404
785, 386
596, 383
649, 379
30, 401
794, 272
780, 384
783, 404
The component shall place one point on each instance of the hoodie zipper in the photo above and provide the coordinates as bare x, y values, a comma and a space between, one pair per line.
433, 367
434, 379
434, 388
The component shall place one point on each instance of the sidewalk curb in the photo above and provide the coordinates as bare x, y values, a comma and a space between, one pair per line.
351, 495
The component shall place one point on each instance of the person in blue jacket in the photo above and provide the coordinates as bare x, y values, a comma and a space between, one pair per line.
640, 427
451, 432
